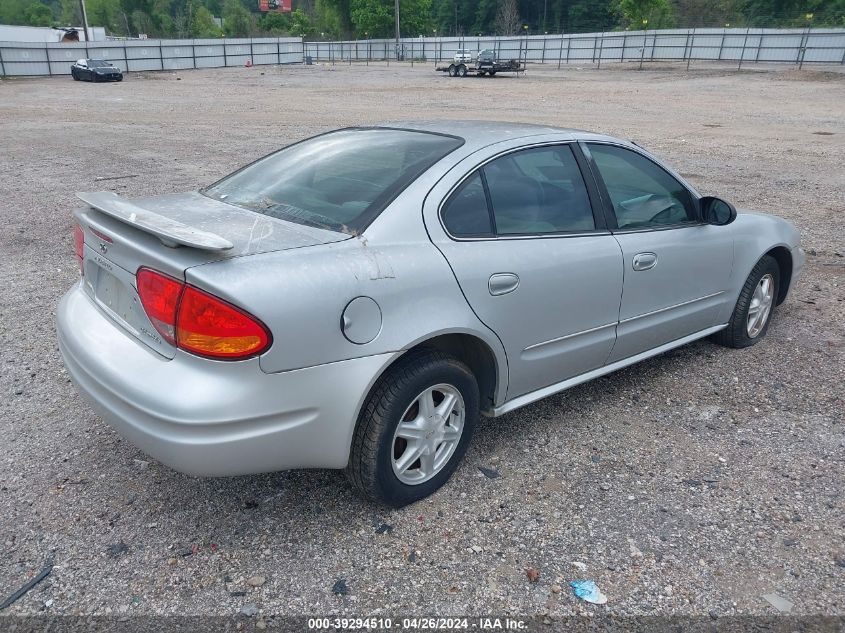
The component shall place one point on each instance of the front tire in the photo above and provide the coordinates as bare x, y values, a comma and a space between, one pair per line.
462, 71
414, 428
753, 311
452, 70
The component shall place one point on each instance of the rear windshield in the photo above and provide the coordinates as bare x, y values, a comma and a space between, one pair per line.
339, 181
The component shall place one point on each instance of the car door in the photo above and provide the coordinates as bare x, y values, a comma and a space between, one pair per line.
534, 261
676, 268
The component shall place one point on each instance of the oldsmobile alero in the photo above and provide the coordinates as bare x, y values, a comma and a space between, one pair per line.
357, 299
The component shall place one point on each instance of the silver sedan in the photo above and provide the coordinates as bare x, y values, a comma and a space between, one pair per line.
358, 299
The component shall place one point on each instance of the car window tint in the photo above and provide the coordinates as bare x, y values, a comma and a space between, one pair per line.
465, 214
339, 181
643, 194
538, 190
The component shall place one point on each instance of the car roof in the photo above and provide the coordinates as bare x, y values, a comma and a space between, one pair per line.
481, 133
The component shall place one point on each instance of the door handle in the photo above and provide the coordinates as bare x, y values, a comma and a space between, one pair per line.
644, 261
502, 283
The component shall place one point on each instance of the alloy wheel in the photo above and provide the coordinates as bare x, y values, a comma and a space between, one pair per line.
428, 434
761, 306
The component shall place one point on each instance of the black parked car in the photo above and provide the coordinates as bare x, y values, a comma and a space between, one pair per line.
95, 70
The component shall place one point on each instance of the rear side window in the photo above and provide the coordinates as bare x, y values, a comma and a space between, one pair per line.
535, 191
540, 190
339, 181
466, 213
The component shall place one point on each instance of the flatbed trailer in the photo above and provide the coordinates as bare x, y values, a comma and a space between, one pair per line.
481, 69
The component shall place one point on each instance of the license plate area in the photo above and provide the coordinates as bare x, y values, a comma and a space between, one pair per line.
113, 290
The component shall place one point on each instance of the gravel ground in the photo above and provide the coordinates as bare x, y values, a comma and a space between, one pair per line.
693, 483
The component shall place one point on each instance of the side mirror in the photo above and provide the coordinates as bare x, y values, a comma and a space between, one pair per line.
717, 211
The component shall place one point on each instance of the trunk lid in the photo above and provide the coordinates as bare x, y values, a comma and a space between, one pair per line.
170, 234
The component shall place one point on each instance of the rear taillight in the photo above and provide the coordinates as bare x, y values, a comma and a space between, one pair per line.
160, 296
211, 327
79, 245
198, 322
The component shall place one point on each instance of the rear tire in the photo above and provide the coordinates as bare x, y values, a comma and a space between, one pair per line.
462, 71
492, 73
74, 75
753, 311
435, 399
452, 70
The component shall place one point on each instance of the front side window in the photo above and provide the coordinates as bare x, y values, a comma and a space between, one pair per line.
643, 194
338, 181
538, 190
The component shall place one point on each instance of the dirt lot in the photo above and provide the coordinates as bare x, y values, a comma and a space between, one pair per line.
691, 484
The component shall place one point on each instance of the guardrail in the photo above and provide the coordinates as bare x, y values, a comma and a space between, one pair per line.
37, 58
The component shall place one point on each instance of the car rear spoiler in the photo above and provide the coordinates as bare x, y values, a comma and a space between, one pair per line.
169, 232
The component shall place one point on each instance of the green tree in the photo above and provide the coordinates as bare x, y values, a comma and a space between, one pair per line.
104, 13
38, 14
415, 17
275, 23
342, 9
300, 23
485, 16
237, 21
590, 16
377, 17
141, 22
372, 16
327, 19
658, 13
203, 25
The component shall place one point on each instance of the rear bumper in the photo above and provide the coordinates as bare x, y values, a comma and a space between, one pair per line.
207, 417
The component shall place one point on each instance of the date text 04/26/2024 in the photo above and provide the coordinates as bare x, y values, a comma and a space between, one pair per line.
416, 624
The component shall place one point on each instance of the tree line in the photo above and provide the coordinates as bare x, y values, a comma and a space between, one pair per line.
335, 19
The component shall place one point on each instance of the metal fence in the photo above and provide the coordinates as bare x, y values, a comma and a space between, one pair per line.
37, 58
751, 45
743, 46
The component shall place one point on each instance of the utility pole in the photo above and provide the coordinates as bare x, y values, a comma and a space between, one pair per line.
396, 11
84, 19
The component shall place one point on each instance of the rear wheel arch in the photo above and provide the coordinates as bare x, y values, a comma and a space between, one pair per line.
783, 257
471, 350
475, 354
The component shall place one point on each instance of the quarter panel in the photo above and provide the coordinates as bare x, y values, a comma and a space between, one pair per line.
301, 294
